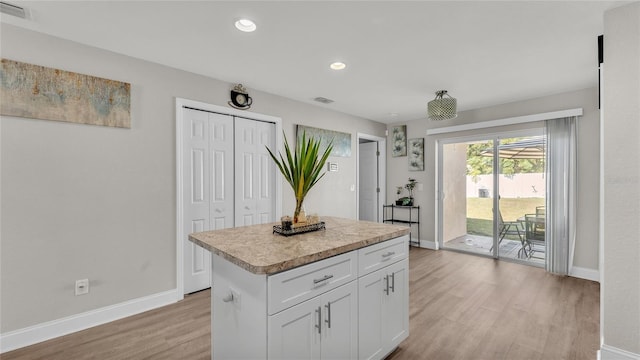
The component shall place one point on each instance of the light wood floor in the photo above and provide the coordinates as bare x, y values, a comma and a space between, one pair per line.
461, 307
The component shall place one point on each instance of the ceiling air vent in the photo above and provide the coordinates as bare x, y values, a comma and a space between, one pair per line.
323, 100
12, 10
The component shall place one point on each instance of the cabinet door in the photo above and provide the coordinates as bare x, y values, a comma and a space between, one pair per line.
370, 300
295, 333
340, 323
395, 313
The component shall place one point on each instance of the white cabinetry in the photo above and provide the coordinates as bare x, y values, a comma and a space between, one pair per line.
383, 304
325, 327
349, 306
313, 310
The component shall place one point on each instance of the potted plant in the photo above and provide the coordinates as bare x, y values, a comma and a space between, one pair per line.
407, 200
399, 190
410, 186
302, 168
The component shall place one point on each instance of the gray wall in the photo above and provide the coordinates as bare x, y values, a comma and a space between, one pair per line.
81, 201
620, 322
588, 133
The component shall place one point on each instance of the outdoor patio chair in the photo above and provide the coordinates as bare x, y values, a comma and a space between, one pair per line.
538, 228
511, 228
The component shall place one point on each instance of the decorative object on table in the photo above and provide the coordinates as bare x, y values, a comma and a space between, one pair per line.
240, 98
408, 200
442, 108
399, 190
301, 229
286, 223
415, 150
399, 140
39, 92
302, 168
341, 141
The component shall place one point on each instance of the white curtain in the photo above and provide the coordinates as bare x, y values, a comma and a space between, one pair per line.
561, 165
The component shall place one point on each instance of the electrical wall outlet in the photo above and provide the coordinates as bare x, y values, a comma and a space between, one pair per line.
82, 287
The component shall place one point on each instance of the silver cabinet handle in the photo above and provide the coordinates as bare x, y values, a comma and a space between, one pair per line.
393, 282
386, 256
328, 319
324, 278
386, 282
318, 326
228, 298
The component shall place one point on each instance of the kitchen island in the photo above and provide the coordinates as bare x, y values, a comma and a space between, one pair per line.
335, 293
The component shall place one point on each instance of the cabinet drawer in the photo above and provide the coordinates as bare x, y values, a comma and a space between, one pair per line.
374, 257
294, 286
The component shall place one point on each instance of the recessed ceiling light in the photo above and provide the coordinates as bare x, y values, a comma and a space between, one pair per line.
338, 65
245, 25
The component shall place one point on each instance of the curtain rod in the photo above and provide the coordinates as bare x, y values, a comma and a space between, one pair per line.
507, 121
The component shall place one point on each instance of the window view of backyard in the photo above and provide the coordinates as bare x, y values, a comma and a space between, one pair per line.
467, 206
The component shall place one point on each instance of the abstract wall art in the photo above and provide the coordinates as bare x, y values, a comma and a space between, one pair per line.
341, 141
39, 92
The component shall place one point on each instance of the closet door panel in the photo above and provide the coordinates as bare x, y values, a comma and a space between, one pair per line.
245, 145
197, 270
221, 139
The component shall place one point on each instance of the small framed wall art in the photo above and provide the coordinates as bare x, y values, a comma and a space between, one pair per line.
415, 149
399, 141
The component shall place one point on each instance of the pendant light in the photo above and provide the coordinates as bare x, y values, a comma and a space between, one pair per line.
442, 108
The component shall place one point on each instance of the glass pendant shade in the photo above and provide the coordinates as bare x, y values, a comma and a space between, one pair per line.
442, 108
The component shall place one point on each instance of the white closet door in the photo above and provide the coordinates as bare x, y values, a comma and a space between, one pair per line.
221, 149
197, 269
265, 200
255, 176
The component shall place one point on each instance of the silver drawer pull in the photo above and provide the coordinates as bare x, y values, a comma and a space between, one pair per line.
324, 278
328, 319
390, 253
319, 324
393, 283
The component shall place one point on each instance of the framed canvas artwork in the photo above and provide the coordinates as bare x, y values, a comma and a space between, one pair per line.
399, 141
415, 149
341, 141
38, 92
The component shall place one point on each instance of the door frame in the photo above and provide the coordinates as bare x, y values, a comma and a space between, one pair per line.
493, 136
382, 171
198, 105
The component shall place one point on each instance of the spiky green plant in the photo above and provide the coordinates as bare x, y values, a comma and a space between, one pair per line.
302, 168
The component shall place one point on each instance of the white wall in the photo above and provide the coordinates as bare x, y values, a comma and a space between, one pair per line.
620, 287
588, 133
82, 201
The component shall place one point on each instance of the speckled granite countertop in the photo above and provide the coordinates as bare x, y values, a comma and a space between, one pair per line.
256, 249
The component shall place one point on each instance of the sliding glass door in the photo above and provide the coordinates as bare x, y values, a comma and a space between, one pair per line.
492, 195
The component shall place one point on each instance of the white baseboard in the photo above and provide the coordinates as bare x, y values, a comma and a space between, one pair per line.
584, 273
51, 329
428, 244
607, 352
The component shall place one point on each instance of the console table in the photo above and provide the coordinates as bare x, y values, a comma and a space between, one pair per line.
408, 219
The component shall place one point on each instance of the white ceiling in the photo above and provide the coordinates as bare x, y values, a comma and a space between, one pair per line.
397, 53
